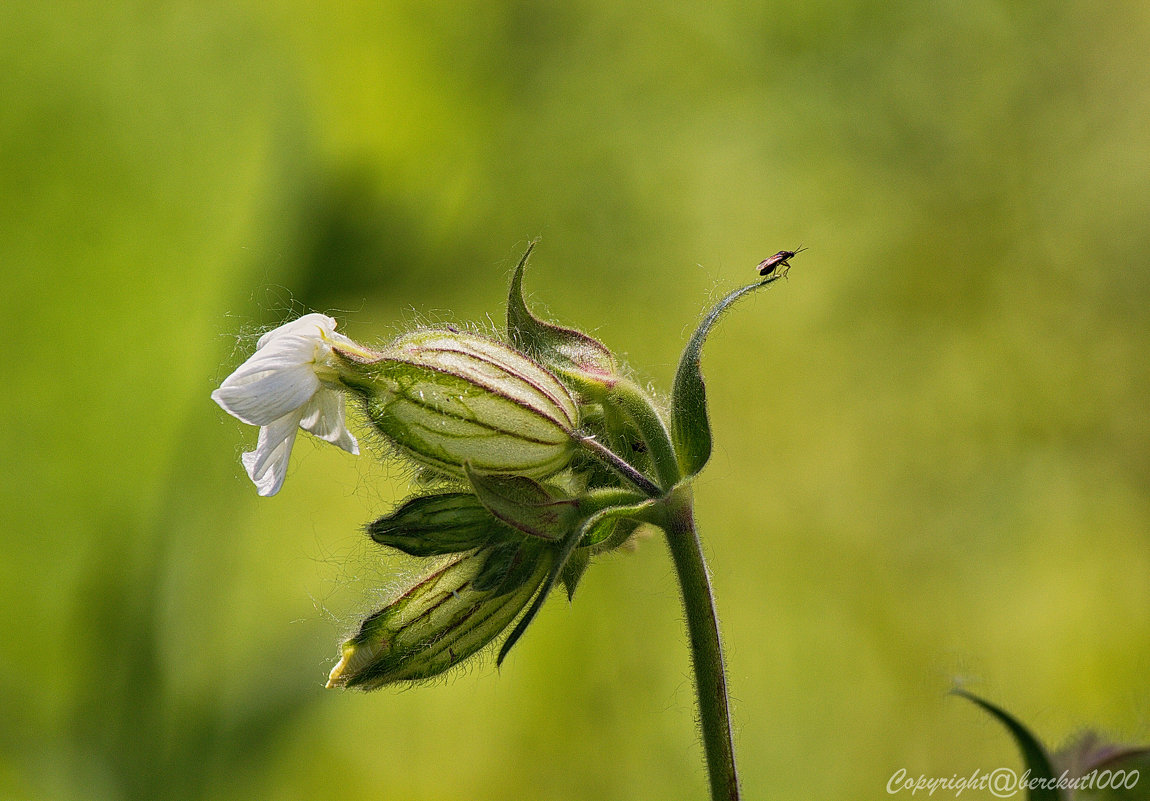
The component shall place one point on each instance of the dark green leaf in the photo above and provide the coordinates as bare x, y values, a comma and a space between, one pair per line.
1033, 754
574, 569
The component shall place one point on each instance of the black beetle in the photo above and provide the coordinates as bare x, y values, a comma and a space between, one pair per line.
780, 259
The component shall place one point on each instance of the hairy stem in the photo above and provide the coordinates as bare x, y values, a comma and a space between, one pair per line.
706, 647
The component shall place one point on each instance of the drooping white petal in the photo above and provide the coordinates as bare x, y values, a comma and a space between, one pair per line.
268, 392
324, 417
267, 464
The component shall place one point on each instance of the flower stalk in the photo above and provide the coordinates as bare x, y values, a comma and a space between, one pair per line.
621, 466
637, 407
706, 645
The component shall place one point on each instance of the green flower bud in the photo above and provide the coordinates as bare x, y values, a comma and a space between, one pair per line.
443, 618
447, 398
431, 525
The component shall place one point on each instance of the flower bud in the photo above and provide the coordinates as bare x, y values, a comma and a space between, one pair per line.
447, 398
445, 617
431, 525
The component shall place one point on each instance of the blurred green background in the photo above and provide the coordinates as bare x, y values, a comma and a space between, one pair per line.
932, 443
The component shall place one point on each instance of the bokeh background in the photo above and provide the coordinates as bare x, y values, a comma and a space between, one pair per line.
933, 440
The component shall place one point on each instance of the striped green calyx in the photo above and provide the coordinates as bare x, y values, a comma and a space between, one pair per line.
447, 398
432, 525
444, 617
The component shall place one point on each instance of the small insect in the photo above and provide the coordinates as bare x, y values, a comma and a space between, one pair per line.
780, 259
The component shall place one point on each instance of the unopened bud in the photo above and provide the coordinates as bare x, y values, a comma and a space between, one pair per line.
447, 398
445, 617
430, 525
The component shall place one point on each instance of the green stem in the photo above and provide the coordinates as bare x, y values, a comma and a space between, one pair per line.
706, 647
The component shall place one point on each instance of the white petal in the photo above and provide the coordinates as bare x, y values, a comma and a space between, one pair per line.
262, 396
317, 327
287, 351
283, 353
309, 324
324, 417
267, 464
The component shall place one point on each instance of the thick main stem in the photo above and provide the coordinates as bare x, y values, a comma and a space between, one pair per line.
706, 647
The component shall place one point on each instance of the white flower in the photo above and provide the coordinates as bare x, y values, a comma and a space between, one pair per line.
288, 384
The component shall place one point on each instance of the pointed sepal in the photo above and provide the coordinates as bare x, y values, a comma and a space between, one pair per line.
524, 504
610, 535
582, 361
566, 549
508, 566
573, 571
